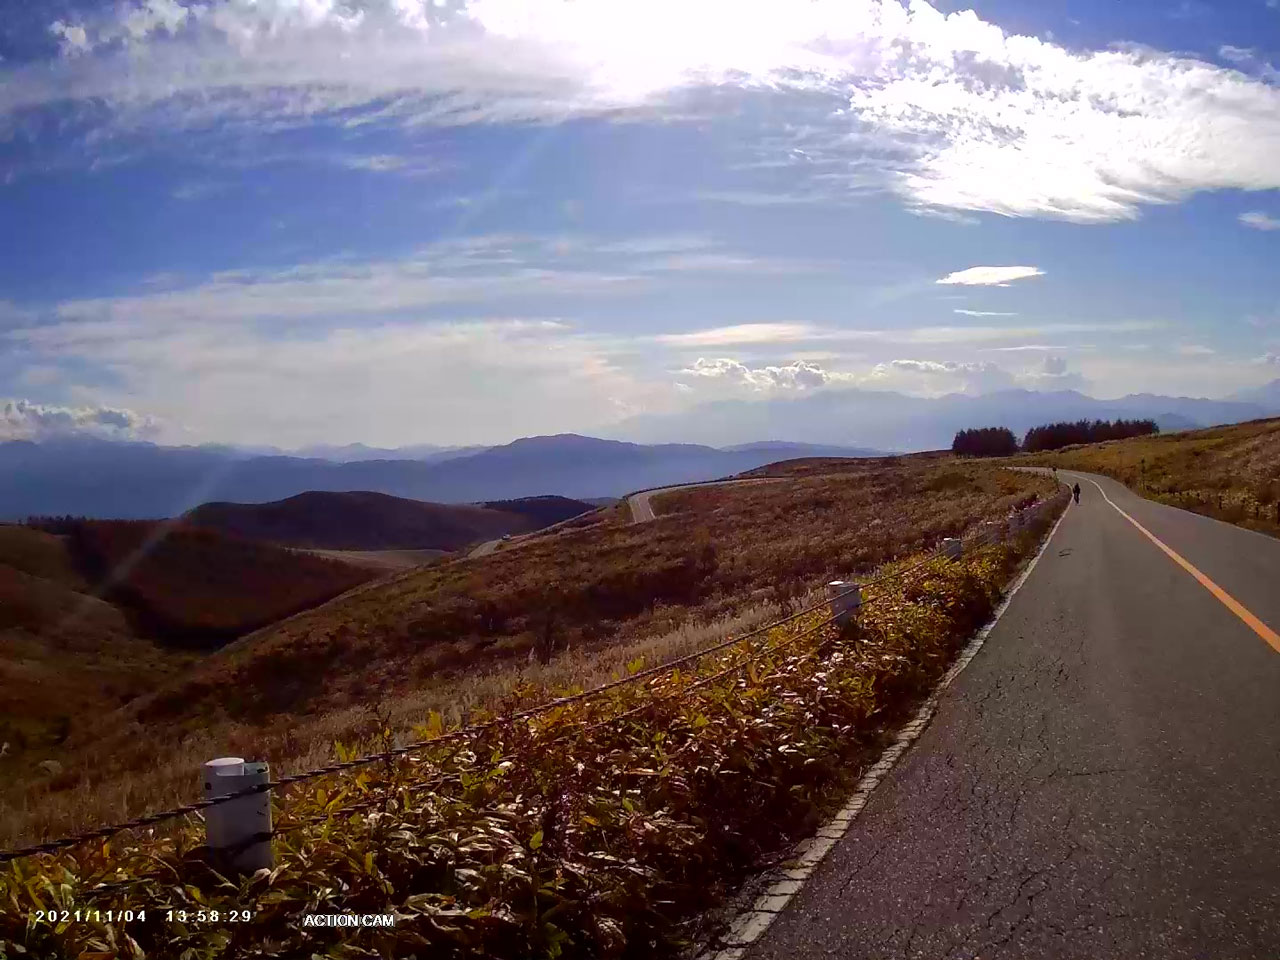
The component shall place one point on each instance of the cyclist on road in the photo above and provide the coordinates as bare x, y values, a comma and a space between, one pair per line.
1075, 491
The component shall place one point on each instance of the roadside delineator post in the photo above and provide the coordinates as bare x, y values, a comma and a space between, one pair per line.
845, 598
239, 829
952, 548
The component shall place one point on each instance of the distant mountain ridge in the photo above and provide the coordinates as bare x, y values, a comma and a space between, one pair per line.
887, 420
136, 480
103, 479
365, 520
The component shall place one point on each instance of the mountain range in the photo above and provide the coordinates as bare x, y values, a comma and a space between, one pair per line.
99, 478
105, 479
895, 421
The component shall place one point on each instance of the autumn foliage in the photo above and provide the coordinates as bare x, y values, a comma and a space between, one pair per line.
598, 829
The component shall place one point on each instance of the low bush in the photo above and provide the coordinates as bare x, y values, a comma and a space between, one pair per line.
597, 829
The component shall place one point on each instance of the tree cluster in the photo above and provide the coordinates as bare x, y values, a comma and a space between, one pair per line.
985, 442
1054, 436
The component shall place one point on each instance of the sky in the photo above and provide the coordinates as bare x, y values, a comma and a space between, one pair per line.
293, 222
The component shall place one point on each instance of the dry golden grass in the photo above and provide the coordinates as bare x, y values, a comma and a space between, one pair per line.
460, 634
1230, 473
596, 830
98, 796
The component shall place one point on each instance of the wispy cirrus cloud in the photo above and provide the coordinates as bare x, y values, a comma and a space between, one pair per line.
1259, 220
989, 276
949, 111
984, 313
741, 334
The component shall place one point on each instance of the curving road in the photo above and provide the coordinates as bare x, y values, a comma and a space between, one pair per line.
1103, 781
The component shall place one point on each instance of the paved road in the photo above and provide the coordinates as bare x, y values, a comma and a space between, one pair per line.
1103, 781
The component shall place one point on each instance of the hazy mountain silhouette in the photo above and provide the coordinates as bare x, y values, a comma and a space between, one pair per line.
138, 480
107, 479
889, 420
1267, 395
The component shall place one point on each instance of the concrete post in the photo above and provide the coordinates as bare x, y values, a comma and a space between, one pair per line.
952, 548
845, 598
240, 828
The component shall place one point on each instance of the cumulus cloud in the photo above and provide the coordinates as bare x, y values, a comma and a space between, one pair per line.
1259, 220
72, 38
933, 377
956, 113
23, 420
1052, 375
989, 277
946, 376
800, 375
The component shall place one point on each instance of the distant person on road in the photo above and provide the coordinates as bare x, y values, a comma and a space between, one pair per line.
1075, 491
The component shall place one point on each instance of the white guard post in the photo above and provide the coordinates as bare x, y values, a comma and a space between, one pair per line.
230, 826
845, 597
952, 547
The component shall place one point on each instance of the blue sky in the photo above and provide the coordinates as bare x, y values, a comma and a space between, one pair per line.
392, 221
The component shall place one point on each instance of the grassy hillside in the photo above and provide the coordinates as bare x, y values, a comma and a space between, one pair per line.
95, 617
1231, 473
367, 521
66, 657
461, 634
599, 830
192, 586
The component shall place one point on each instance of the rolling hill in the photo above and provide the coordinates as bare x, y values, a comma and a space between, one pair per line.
366, 520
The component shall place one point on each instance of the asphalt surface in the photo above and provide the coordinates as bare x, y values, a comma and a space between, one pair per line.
1103, 781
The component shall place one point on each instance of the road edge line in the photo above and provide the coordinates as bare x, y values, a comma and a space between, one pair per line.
1246, 616
788, 879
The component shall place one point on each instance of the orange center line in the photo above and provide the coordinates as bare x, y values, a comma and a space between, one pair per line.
1226, 599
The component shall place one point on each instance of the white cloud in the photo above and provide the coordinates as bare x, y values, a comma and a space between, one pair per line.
1195, 350
933, 377
989, 276
799, 375
1052, 375
707, 262
1037, 348
1268, 359
388, 384
955, 113
743, 333
984, 313
1259, 220
758, 333
23, 420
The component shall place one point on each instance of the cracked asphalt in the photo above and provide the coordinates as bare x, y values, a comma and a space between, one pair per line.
1102, 781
